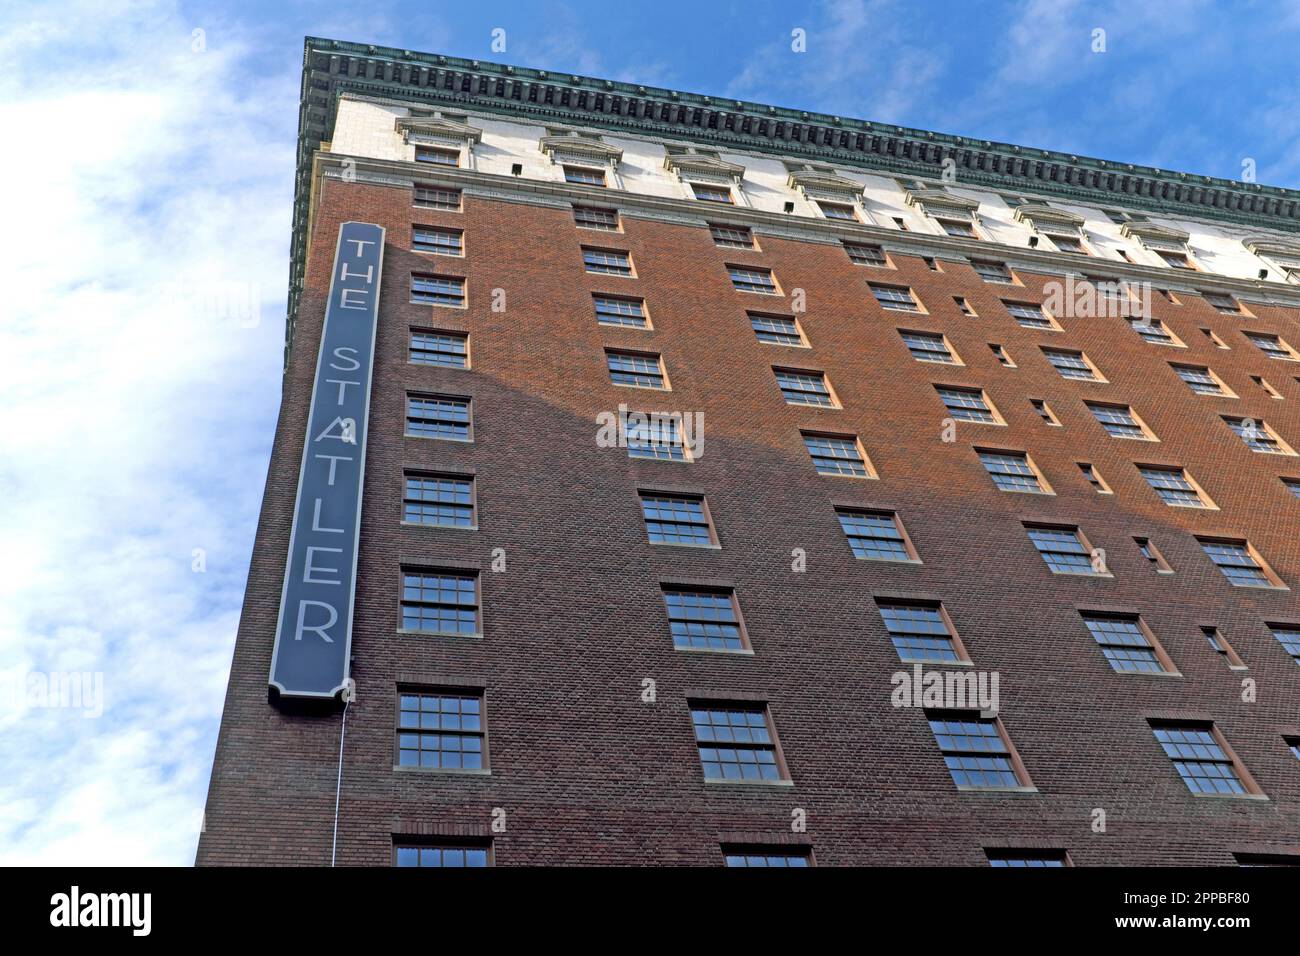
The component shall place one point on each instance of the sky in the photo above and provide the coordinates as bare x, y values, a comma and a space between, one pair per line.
148, 152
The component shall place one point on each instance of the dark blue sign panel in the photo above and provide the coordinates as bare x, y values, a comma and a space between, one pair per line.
313, 637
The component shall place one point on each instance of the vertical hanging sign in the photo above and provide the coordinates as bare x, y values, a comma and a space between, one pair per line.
313, 636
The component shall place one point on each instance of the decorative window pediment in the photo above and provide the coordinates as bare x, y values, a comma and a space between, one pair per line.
583, 150
703, 168
1155, 237
437, 131
1278, 251
940, 202
815, 185
1049, 220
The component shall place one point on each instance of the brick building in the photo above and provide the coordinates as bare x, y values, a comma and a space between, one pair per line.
934, 415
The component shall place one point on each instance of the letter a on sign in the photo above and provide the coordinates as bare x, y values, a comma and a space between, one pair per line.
313, 635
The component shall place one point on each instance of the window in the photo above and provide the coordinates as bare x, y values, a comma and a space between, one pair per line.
709, 193
1063, 549
1013, 471
1068, 244
1288, 635
1272, 346
1258, 436
1120, 422
1026, 858
1239, 563
1200, 757
929, 347
1292, 485
1217, 342
1221, 646
606, 261
1178, 260
440, 602
593, 217
741, 855
1222, 302
920, 631
866, 255
438, 290
441, 730
1266, 388
1001, 355
638, 369
656, 436
805, 388
438, 417
1201, 380
875, 535
1149, 551
437, 197
968, 404
1175, 487
837, 210
974, 751
962, 228
444, 855
964, 306
704, 620
1154, 332
611, 310
1045, 412
1073, 365
777, 330
837, 455
445, 501
442, 349
442, 242
676, 519
1031, 316
1126, 643
584, 176
993, 272
736, 237
736, 742
438, 157
895, 298
1093, 477
752, 279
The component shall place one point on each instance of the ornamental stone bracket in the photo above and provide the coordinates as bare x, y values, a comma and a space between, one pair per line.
1154, 236
435, 130
1049, 220
828, 186
694, 167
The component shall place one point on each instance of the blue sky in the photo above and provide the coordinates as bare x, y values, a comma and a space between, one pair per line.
145, 259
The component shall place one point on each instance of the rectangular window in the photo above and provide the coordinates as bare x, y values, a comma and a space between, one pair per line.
1063, 549
777, 330
612, 310
862, 254
741, 855
1001, 355
676, 519
732, 237
736, 742
441, 855
993, 272
963, 306
444, 501
442, 349
441, 730
1030, 316
1273, 346
638, 369
1200, 379
1200, 758
1068, 244
974, 751
1223, 303
929, 347
1292, 485
1288, 635
1222, 647
837, 210
1120, 422
708, 193
919, 631
437, 197
968, 404
704, 620
752, 279
1012, 471
805, 388
440, 602
442, 242
1073, 365
438, 290
1026, 858
1175, 487
432, 416
1258, 436
593, 217
1239, 563
1149, 551
584, 176
875, 535
655, 436
1178, 260
895, 298
436, 156
1154, 332
1045, 412
606, 261
962, 228
837, 455
1093, 477
1125, 643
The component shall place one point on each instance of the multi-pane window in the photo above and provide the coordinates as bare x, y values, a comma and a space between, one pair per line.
428, 855
735, 743
676, 519
703, 620
1119, 421
436, 156
1257, 436
838, 210
752, 279
804, 388
441, 602
1068, 244
895, 298
874, 534
442, 242
967, 404
1124, 643
1222, 302
438, 290
836, 455
1288, 635
919, 632
962, 228
606, 261
1199, 758
734, 237
1237, 561
1272, 346
437, 197
776, 329
1012, 471
593, 217
612, 310
443, 349
1026, 858
1072, 365
657, 437
928, 347
974, 751
1174, 487
1029, 315
862, 254
1062, 549
442, 500
1153, 331
758, 856
635, 368
992, 271
710, 193
441, 730
1200, 379
432, 416
584, 175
